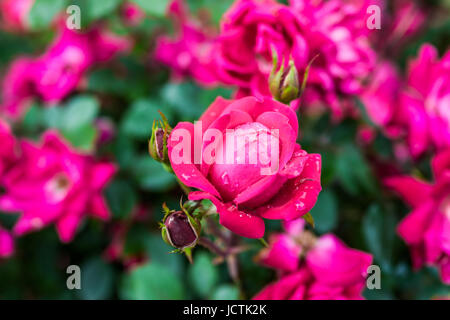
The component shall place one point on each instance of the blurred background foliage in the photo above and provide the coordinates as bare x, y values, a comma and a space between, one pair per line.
128, 92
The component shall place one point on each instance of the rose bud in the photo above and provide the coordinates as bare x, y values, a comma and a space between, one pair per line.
180, 230
157, 145
284, 83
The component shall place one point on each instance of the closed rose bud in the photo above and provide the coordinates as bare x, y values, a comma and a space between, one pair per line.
157, 145
179, 230
284, 83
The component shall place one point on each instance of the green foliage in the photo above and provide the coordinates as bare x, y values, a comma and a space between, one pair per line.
152, 281
97, 280
225, 292
203, 275
154, 8
325, 212
121, 197
43, 12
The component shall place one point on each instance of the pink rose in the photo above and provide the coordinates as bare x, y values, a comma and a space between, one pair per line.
242, 185
51, 183
57, 72
6, 244
427, 228
426, 100
191, 52
332, 271
60, 70
332, 30
14, 14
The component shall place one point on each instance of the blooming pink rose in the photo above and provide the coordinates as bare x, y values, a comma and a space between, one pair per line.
240, 189
332, 271
14, 14
427, 228
426, 100
57, 72
51, 183
6, 244
61, 68
191, 52
7, 147
332, 30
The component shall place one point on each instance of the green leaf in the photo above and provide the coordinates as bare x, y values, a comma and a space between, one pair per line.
82, 138
121, 198
353, 171
79, 112
151, 176
184, 99
325, 212
379, 233
159, 251
152, 281
202, 274
155, 8
225, 292
137, 121
43, 12
99, 9
97, 278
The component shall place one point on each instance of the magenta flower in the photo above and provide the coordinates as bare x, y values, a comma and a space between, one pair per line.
380, 97
332, 30
427, 228
59, 70
190, 53
267, 176
14, 14
17, 87
425, 103
51, 183
283, 253
331, 271
6, 244
7, 148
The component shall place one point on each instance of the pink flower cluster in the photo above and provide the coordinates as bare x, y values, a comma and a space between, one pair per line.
417, 108
427, 228
49, 182
241, 55
191, 53
57, 72
313, 268
242, 194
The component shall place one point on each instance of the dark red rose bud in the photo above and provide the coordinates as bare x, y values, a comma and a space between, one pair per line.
179, 231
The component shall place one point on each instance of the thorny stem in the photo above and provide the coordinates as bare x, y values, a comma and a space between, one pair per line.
208, 244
